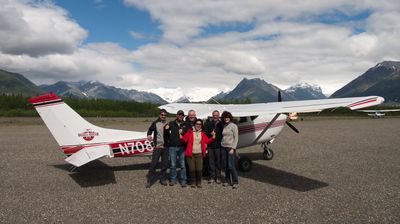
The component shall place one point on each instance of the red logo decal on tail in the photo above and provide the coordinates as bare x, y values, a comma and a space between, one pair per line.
88, 135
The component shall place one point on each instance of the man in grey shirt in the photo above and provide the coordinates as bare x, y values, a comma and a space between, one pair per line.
160, 149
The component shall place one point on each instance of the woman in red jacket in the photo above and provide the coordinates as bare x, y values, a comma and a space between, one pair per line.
196, 145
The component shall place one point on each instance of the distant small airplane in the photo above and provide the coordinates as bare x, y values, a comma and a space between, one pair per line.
377, 113
259, 123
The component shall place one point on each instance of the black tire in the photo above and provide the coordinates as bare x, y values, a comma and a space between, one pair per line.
268, 154
245, 164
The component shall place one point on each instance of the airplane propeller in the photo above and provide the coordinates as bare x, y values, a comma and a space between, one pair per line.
287, 122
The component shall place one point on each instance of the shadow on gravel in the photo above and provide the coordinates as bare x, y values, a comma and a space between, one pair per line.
97, 173
280, 178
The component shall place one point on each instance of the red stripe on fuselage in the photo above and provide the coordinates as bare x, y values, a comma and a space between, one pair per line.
258, 127
68, 150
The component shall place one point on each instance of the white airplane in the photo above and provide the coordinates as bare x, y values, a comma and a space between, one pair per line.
261, 123
377, 113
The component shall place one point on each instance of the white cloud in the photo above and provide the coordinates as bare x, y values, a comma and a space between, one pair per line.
283, 44
37, 29
107, 63
169, 94
362, 44
137, 35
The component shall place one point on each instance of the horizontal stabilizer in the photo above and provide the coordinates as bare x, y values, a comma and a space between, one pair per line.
88, 154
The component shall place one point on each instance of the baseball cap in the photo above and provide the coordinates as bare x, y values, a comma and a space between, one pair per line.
180, 112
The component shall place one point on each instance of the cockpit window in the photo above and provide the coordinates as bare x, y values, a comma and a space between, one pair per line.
253, 117
243, 119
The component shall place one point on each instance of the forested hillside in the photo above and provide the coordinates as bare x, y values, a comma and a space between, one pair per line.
17, 105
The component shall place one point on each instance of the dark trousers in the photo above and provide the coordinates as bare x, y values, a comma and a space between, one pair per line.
155, 157
231, 176
195, 165
214, 163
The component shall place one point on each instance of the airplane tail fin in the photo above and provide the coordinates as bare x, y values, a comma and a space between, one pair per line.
70, 129
66, 126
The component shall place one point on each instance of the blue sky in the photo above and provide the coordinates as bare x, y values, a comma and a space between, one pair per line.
197, 48
112, 21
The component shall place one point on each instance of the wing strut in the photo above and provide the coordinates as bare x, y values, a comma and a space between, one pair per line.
266, 128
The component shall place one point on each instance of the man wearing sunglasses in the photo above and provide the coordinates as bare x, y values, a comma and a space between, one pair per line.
160, 150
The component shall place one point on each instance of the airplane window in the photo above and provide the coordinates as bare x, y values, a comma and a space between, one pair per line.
253, 117
243, 119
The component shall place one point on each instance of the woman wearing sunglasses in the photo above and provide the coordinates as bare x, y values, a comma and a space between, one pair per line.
196, 141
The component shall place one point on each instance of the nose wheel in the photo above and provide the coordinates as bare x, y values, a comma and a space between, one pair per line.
268, 154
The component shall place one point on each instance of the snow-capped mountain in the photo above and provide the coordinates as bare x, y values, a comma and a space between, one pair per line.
183, 99
97, 90
305, 91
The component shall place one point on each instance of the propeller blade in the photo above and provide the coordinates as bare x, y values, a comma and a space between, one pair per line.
279, 96
292, 127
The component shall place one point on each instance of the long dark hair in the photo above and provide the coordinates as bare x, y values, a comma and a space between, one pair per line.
226, 114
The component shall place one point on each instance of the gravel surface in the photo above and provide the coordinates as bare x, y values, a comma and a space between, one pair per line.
334, 171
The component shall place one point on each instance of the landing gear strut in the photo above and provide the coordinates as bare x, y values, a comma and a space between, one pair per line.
268, 154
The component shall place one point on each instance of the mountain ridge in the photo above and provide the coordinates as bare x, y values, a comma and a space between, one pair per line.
259, 91
14, 83
95, 89
383, 80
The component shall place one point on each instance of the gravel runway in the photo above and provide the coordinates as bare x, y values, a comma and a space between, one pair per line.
337, 170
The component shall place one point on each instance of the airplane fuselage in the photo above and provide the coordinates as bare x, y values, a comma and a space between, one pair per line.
377, 115
250, 129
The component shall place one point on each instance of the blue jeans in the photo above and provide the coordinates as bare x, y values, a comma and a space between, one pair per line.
231, 176
174, 153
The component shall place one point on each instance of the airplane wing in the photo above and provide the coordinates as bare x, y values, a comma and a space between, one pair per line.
374, 111
304, 106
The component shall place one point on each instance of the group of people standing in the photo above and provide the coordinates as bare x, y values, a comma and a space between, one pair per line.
188, 142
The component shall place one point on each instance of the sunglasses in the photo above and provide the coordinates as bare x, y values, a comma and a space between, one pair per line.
163, 115
198, 123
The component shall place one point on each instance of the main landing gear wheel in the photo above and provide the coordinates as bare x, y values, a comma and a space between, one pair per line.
245, 164
268, 154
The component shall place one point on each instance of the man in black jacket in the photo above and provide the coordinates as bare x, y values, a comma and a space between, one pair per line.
214, 149
160, 141
176, 148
